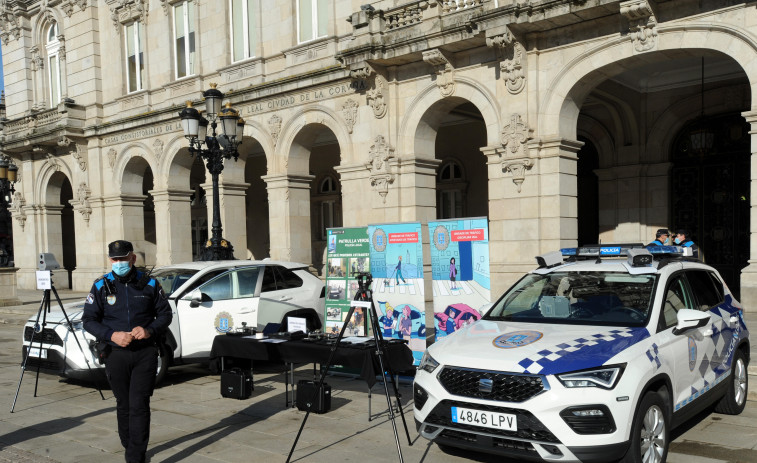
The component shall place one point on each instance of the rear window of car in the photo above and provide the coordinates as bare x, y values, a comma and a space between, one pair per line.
593, 298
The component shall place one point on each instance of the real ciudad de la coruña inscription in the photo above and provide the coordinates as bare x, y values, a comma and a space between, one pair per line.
306, 97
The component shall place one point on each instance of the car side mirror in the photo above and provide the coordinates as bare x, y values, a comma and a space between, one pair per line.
689, 319
197, 297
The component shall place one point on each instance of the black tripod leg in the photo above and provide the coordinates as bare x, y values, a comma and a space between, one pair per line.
324, 371
379, 337
76, 338
26, 358
46, 309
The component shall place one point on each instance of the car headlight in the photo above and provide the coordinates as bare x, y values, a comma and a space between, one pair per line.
428, 363
605, 377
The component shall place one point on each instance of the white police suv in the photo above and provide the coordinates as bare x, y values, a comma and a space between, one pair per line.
593, 357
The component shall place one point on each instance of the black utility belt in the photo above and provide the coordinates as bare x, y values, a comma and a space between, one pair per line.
133, 347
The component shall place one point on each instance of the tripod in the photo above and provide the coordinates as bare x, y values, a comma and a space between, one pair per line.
365, 296
44, 309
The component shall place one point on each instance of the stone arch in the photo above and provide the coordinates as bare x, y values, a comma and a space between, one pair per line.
418, 128
290, 154
48, 170
568, 89
176, 164
42, 23
256, 130
138, 149
600, 136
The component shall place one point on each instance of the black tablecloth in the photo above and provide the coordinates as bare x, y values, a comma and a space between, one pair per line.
398, 357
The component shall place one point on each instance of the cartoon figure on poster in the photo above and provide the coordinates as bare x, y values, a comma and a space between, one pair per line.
404, 322
460, 272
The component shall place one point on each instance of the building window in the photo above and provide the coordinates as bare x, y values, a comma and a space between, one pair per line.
450, 187
313, 19
243, 32
184, 31
134, 34
53, 64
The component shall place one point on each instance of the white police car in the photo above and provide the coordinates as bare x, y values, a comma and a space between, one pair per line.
592, 359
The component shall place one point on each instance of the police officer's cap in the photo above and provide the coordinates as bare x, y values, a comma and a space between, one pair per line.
662, 231
120, 248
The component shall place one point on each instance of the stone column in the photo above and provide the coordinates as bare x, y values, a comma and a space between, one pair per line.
357, 195
289, 209
125, 220
749, 273
8, 284
173, 227
52, 239
233, 214
417, 189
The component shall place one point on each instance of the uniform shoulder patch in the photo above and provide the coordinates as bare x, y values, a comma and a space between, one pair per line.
90, 298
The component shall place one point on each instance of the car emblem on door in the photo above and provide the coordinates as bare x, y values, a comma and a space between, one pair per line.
485, 385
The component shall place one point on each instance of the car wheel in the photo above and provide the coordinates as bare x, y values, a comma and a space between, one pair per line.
650, 432
164, 359
734, 400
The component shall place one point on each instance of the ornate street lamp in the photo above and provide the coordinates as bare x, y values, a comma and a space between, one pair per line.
7, 179
213, 148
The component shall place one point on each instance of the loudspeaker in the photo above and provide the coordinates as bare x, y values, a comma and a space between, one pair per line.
236, 383
305, 390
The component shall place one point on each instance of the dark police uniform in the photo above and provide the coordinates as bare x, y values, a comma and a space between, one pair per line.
694, 248
121, 304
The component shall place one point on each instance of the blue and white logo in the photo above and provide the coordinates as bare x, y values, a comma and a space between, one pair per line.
517, 339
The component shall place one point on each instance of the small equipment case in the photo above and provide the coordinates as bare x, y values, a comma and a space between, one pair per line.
236, 383
305, 390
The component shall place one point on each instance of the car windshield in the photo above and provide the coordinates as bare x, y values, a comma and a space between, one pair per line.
580, 298
171, 279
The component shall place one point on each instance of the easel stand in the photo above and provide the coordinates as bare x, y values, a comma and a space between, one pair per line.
364, 294
44, 309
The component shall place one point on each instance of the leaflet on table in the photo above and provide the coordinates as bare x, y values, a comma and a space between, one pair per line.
396, 254
460, 272
347, 255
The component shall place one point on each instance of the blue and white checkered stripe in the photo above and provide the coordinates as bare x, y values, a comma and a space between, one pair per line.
653, 354
583, 352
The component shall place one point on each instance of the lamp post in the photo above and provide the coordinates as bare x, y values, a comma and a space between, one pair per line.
213, 148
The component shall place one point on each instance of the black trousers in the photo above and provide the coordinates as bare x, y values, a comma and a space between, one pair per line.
131, 374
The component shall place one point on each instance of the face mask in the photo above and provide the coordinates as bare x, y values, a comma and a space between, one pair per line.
121, 268
677, 241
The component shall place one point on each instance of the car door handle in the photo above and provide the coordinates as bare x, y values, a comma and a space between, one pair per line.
246, 310
285, 298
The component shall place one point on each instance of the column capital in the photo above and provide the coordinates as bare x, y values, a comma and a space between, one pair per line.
551, 147
171, 194
750, 116
288, 181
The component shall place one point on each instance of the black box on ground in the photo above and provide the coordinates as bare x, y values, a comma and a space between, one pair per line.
305, 391
236, 383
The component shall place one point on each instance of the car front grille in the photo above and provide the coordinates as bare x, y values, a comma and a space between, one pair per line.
490, 385
54, 363
528, 426
47, 336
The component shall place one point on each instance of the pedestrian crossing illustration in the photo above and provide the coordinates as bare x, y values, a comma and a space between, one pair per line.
415, 286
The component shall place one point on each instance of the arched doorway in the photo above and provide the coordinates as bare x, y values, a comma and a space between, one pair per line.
61, 232
588, 192
138, 208
198, 208
256, 203
710, 190
325, 190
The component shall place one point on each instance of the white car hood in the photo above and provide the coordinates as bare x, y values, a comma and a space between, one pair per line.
74, 312
533, 348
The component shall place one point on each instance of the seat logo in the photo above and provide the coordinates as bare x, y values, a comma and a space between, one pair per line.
485, 385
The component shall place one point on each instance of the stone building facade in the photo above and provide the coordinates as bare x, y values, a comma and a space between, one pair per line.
564, 122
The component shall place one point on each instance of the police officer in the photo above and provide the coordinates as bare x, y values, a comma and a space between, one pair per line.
128, 310
683, 240
661, 237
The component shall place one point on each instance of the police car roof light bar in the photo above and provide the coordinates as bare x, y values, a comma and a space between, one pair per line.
622, 250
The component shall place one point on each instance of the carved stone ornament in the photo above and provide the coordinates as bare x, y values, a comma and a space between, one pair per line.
46, 12
81, 203
112, 154
642, 24
52, 161
378, 165
17, 209
514, 137
349, 111
166, 6
123, 11
517, 167
445, 72
157, 147
274, 125
375, 96
10, 27
37, 62
68, 6
512, 66
79, 153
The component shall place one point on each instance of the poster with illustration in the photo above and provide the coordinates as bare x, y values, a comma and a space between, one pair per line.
396, 259
348, 255
460, 272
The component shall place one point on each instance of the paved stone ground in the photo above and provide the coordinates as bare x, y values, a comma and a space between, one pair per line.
69, 422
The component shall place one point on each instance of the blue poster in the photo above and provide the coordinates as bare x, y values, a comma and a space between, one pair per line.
396, 258
460, 272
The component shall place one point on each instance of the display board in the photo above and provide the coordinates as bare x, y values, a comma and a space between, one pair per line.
347, 254
396, 258
460, 272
